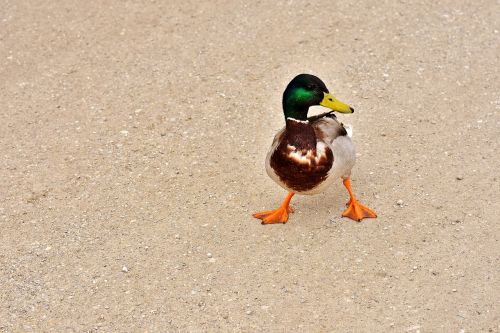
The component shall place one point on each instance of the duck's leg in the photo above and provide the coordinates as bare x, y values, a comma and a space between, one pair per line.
355, 210
279, 215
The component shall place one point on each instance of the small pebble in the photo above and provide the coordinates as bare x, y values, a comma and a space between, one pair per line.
249, 312
460, 177
124, 269
454, 290
400, 202
209, 255
177, 236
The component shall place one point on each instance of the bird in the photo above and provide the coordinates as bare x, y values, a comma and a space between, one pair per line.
310, 153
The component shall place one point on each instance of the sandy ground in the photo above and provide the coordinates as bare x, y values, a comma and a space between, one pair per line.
133, 137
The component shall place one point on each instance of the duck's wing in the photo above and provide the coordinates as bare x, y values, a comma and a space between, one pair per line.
330, 114
328, 128
277, 138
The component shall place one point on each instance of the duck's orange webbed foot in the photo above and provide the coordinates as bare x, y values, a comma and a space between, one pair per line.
279, 215
355, 210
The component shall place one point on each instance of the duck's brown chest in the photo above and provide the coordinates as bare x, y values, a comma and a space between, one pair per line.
300, 160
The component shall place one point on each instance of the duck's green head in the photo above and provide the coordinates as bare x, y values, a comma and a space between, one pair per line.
307, 90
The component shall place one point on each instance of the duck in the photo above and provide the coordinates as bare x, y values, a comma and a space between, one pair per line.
309, 153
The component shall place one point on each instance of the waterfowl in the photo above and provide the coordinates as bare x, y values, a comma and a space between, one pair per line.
308, 154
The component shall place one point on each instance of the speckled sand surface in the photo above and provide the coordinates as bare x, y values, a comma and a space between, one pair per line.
132, 145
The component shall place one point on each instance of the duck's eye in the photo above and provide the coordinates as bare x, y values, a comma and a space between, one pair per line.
330, 99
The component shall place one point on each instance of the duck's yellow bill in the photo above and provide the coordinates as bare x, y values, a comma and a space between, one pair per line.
329, 101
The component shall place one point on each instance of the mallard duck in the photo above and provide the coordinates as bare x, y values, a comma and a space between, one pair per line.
308, 154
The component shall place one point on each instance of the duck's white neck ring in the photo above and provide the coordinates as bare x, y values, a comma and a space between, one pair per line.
298, 121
